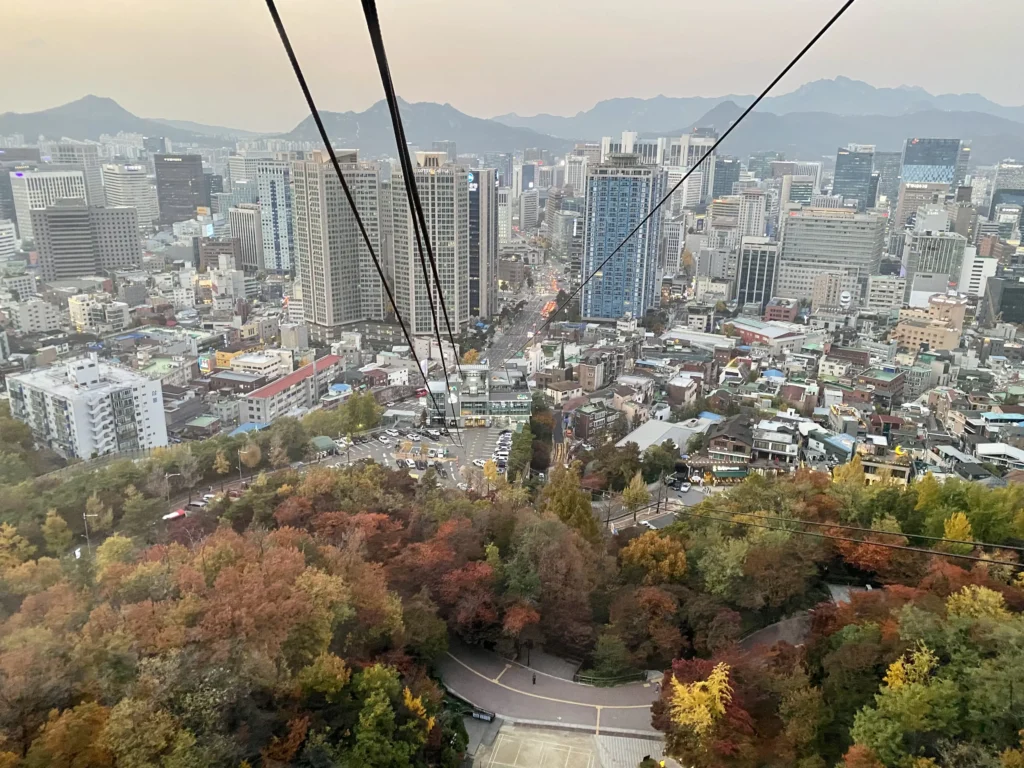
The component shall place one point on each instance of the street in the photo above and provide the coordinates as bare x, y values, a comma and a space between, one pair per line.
509, 341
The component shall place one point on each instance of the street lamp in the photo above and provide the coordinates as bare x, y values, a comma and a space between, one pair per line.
168, 476
85, 519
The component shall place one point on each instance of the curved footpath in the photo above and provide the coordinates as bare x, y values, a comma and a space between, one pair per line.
506, 688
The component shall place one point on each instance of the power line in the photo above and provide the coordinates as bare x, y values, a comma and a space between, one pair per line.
696, 165
411, 189
315, 113
903, 548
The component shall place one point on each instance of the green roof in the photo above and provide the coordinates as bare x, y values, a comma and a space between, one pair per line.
202, 422
324, 443
875, 373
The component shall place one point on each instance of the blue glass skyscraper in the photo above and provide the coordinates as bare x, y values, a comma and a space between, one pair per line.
619, 193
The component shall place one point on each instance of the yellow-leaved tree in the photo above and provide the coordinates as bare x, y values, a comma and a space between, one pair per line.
957, 527
698, 706
655, 558
852, 472
976, 602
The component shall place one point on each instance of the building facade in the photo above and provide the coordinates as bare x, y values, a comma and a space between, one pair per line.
756, 271
852, 180
77, 240
180, 186
245, 223
129, 186
273, 179
39, 189
483, 242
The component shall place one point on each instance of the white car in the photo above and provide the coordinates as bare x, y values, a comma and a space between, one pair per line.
479, 463
392, 432
414, 437
462, 487
684, 487
384, 440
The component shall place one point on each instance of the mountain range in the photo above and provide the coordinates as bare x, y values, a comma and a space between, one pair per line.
810, 122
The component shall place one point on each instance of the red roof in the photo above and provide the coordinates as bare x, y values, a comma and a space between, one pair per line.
293, 378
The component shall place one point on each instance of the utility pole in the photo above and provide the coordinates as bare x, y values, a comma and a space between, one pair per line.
88, 543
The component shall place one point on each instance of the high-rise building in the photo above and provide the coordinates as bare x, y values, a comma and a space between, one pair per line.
84, 408
752, 213
975, 272
915, 195
244, 167
19, 159
245, 224
39, 189
930, 161
339, 282
529, 202
727, 173
816, 240
448, 147
483, 242
796, 189
444, 193
75, 240
273, 178
84, 156
8, 235
566, 232
828, 292
887, 165
760, 163
129, 186
1008, 186
688, 151
154, 144
852, 179
756, 270
929, 248
575, 172
620, 193
504, 215
180, 186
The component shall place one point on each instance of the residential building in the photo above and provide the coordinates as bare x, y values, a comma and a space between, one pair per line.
620, 194
8, 237
85, 408
937, 328
444, 193
81, 155
212, 248
91, 313
483, 243
504, 195
756, 271
129, 186
271, 363
245, 223
752, 213
34, 316
32, 190
576, 172
76, 240
781, 310
294, 393
273, 180
180, 186
828, 291
852, 179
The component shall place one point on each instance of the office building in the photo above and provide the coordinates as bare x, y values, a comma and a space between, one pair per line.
852, 179
1008, 186
929, 248
483, 242
129, 186
444, 192
339, 282
504, 196
8, 236
885, 292
887, 165
32, 190
84, 156
816, 240
244, 167
727, 173
84, 408
688, 151
246, 225
620, 193
975, 273
76, 240
34, 315
756, 270
212, 249
528, 205
448, 147
752, 213
914, 196
930, 161
524, 177
273, 180
180, 187
501, 162
575, 172
828, 292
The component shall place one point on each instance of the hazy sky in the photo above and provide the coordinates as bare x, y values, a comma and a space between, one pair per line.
220, 62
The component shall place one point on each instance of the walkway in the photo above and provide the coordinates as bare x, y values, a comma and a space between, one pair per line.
506, 688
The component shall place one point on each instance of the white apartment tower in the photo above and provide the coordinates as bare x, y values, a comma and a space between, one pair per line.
753, 213
244, 223
7, 238
40, 189
444, 193
129, 186
85, 408
85, 156
504, 215
339, 283
576, 173
529, 202
273, 179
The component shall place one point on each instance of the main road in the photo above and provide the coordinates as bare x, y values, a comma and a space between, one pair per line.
510, 340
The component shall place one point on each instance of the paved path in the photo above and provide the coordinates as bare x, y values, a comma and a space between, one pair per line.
490, 682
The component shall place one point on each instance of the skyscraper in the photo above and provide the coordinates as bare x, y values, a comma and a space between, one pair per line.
930, 161
575, 172
444, 193
913, 195
84, 156
756, 270
245, 224
339, 283
77, 240
504, 215
688, 151
727, 173
753, 213
273, 179
180, 186
931, 249
448, 147
1008, 186
529, 203
483, 242
39, 189
852, 180
887, 165
7, 238
620, 193
128, 185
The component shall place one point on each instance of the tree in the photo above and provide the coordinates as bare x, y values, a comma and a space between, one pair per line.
278, 453
99, 516
188, 468
491, 475
564, 498
72, 739
221, 465
957, 527
139, 514
56, 534
471, 357
698, 706
695, 444
654, 558
851, 473
636, 494
14, 549
521, 453
251, 455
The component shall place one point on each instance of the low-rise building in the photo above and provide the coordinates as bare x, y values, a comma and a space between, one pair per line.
298, 391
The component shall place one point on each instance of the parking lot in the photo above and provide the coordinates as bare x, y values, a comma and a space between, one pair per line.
546, 749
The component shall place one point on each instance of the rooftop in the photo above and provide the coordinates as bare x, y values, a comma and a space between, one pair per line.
293, 378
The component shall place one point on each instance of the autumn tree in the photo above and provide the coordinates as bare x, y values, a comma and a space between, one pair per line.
56, 534
14, 548
471, 357
654, 559
851, 473
278, 453
221, 465
72, 738
957, 528
564, 498
188, 467
636, 494
251, 455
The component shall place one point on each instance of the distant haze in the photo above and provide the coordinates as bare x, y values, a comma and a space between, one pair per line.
221, 62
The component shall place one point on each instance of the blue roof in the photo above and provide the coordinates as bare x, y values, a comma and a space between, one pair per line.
252, 426
340, 387
993, 416
774, 374
710, 416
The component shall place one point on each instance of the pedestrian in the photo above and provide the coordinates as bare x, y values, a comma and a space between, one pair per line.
534, 678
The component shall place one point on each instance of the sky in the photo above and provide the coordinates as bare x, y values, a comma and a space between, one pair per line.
220, 62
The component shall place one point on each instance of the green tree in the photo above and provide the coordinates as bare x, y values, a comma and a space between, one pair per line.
99, 516
56, 534
564, 498
14, 549
188, 468
521, 453
139, 514
221, 465
636, 494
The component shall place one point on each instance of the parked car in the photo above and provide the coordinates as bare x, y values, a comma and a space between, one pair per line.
197, 504
414, 437
434, 433
648, 524
392, 432
421, 464
384, 440
684, 487
390, 404
410, 464
175, 515
431, 453
479, 463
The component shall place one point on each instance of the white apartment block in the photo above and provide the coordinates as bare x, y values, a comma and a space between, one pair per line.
339, 282
8, 236
885, 292
39, 189
85, 156
505, 215
273, 179
23, 285
292, 393
129, 186
90, 313
35, 316
576, 173
272, 363
752, 213
85, 408
975, 273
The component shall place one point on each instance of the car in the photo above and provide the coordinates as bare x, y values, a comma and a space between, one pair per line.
175, 515
431, 453
390, 404
421, 464
433, 433
696, 479
410, 464
384, 440
197, 504
648, 524
684, 487
208, 497
479, 463
392, 432
414, 437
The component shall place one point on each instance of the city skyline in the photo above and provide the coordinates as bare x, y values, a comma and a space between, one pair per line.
342, 83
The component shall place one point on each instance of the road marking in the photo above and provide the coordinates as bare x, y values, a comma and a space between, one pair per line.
506, 669
597, 728
460, 662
